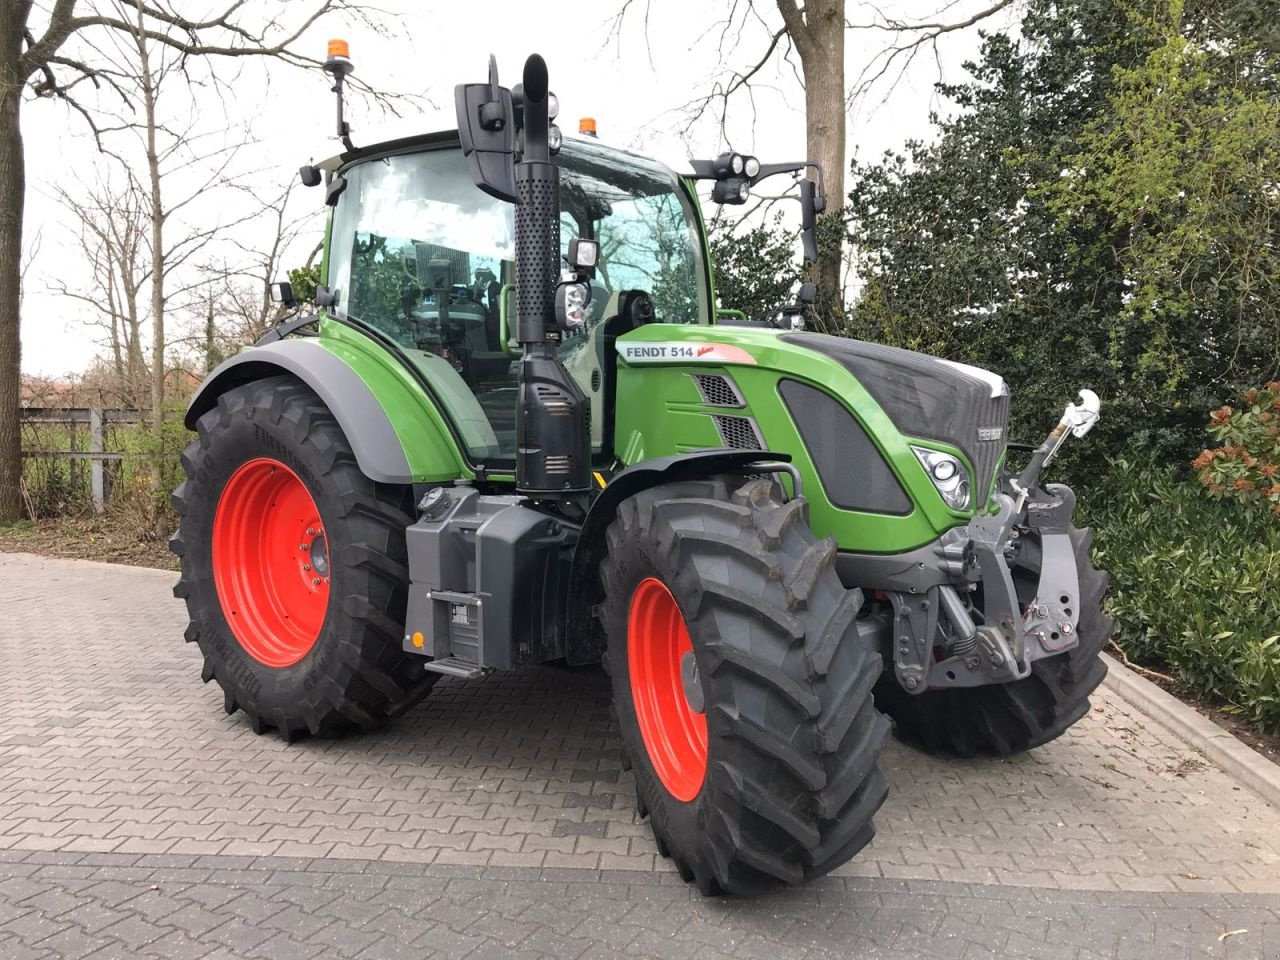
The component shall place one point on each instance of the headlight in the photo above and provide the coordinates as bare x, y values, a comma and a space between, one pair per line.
571, 305
948, 475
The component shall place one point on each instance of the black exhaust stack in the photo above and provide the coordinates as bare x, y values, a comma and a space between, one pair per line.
553, 455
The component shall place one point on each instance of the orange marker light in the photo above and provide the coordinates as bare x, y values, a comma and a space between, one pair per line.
587, 126
339, 48
418, 639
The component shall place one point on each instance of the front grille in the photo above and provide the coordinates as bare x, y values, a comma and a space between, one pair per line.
739, 433
987, 453
717, 390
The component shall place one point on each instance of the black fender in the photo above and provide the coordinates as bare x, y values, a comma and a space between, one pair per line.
377, 448
585, 637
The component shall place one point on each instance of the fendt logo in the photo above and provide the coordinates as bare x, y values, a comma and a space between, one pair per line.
990, 433
671, 352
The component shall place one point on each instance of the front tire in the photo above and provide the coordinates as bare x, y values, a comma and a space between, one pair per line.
742, 684
294, 567
1009, 718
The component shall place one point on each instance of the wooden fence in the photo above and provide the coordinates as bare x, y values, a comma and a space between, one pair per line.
74, 419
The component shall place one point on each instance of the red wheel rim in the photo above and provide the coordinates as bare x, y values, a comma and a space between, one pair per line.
270, 562
674, 733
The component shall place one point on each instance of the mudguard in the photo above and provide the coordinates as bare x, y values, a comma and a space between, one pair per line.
586, 641
374, 440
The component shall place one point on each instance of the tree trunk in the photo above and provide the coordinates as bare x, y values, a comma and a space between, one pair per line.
825, 140
149, 93
137, 366
817, 31
12, 197
117, 354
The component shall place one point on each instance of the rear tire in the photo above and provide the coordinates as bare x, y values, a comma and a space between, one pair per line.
308, 653
1005, 719
776, 778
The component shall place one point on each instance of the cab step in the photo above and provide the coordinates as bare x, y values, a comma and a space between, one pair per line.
456, 667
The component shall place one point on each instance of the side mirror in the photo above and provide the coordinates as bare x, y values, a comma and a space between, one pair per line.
309, 175
439, 278
487, 129
808, 216
334, 190
282, 293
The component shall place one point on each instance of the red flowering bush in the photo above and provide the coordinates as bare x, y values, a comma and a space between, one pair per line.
1246, 467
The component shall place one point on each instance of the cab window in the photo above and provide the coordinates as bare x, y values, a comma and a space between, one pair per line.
419, 253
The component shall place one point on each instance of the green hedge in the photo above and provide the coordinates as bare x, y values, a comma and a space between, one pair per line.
1195, 586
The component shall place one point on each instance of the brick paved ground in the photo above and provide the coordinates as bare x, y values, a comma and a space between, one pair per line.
136, 817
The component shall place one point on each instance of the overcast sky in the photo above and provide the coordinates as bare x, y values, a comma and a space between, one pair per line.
637, 86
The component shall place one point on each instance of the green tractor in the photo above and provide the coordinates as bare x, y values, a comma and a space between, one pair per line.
519, 431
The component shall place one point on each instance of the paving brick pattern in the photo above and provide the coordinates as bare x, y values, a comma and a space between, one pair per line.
171, 907
116, 765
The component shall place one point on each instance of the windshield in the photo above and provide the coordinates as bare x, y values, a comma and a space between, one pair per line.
418, 252
643, 222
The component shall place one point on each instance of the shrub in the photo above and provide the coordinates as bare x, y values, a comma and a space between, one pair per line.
141, 500
1246, 467
1195, 586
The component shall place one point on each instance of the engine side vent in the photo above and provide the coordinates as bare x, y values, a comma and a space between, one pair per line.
556, 401
739, 433
559, 466
717, 390
853, 471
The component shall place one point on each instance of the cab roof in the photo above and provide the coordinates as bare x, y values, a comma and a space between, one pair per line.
409, 139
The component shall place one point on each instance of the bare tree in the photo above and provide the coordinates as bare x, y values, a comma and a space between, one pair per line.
145, 245
33, 251
37, 61
815, 32
113, 232
248, 310
230, 304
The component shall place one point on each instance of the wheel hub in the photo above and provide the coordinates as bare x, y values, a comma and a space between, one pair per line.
319, 552
666, 690
692, 683
270, 562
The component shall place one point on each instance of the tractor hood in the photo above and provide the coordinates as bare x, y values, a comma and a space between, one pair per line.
927, 397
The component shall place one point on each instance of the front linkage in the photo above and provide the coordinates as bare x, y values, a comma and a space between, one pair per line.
987, 600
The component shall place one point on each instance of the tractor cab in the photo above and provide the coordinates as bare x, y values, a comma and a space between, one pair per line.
421, 257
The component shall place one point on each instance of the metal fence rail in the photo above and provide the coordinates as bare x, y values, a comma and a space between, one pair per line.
95, 418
